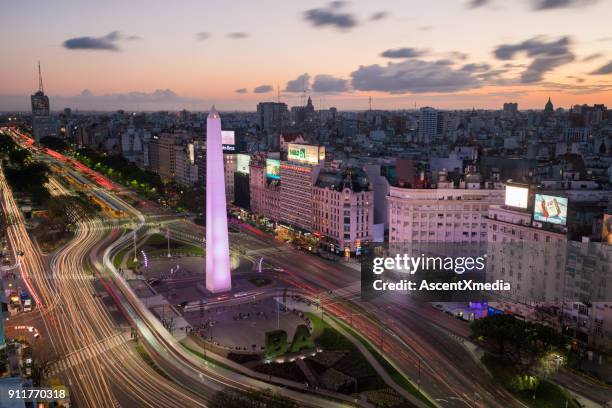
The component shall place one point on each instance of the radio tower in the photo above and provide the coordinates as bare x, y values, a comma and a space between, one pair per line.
40, 83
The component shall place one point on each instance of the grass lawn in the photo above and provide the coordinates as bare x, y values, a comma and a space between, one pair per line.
301, 339
397, 376
276, 343
547, 395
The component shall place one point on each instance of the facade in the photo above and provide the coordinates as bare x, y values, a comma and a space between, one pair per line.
229, 170
440, 215
264, 192
172, 156
272, 118
428, 124
297, 180
343, 210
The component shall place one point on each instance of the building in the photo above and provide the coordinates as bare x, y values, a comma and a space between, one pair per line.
549, 108
510, 109
42, 123
298, 175
272, 118
229, 171
443, 214
343, 210
264, 187
172, 156
428, 125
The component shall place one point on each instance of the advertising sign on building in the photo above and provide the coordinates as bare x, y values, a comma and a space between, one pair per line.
242, 163
273, 169
550, 209
308, 154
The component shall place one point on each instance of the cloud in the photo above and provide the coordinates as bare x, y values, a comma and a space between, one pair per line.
238, 35
241, 91
263, 89
415, 76
476, 67
201, 36
458, 55
546, 56
104, 43
379, 15
477, 3
299, 84
329, 84
160, 99
426, 28
603, 70
133, 37
557, 4
592, 57
404, 52
331, 16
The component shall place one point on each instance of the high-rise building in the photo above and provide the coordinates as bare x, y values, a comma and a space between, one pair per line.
218, 274
298, 175
272, 118
428, 125
42, 124
229, 169
510, 109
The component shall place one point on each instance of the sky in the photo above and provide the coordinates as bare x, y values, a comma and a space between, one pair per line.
450, 54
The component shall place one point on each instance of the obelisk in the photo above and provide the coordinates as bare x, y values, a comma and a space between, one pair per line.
218, 275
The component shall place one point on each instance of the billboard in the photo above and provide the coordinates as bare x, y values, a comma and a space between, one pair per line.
227, 137
606, 229
228, 140
517, 196
273, 169
550, 209
242, 163
308, 154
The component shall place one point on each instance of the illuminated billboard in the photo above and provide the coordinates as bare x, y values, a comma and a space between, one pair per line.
550, 209
228, 140
606, 229
242, 163
517, 196
273, 169
227, 137
308, 154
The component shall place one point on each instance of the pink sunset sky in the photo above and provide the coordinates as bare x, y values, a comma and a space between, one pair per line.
451, 54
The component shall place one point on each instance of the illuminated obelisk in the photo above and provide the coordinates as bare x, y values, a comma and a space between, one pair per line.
218, 276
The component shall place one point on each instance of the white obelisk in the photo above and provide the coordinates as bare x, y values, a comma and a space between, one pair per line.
218, 275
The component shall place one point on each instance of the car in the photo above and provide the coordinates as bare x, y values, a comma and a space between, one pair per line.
438, 306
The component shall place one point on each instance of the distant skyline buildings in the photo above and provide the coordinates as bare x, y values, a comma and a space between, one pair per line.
449, 56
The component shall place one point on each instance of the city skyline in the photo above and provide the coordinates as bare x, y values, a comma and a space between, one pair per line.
169, 58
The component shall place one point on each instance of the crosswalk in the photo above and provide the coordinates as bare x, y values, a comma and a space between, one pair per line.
82, 355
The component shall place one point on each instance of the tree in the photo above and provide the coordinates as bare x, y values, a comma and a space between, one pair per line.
530, 349
54, 143
43, 358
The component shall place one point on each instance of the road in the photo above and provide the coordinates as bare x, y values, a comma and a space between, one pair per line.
78, 324
447, 372
103, 371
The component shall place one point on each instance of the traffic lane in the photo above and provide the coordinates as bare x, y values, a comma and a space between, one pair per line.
446, 355
584, 386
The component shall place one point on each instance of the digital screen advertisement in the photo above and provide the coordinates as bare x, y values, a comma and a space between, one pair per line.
273, 169
550, 209
517, 196
306, 204
242, 163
